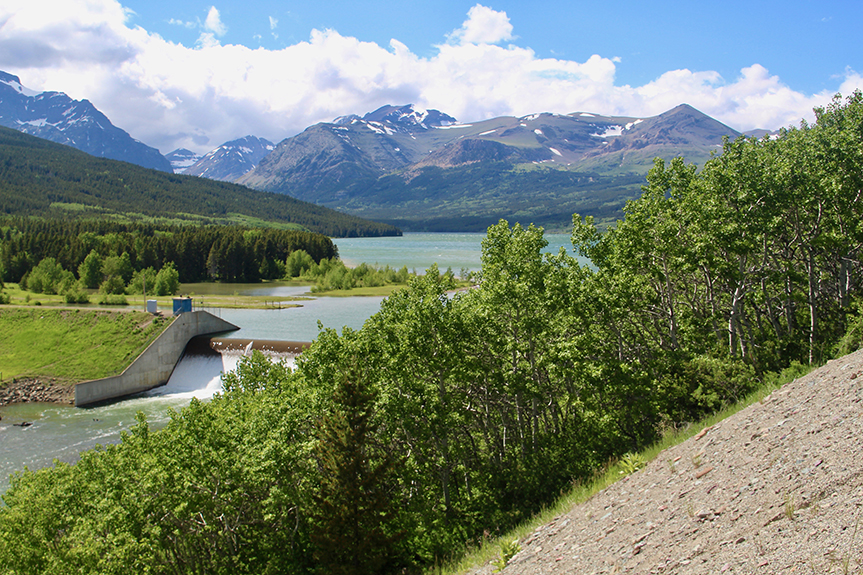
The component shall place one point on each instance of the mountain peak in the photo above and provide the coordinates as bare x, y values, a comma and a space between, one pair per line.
231, 160
57, 117
408, 117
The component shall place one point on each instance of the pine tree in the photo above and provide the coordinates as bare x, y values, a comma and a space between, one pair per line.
353, 510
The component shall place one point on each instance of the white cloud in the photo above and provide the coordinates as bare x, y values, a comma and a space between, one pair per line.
175, 22
483, 26
273, 23
213, 23
170, 96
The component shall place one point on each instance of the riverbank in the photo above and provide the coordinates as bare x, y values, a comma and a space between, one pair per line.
38, 389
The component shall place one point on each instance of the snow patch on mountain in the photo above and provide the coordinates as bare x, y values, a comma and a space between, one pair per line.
14, 83
610, 132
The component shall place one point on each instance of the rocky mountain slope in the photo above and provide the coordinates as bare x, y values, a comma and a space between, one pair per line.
775, 488
410, 166
77, 123
229, 161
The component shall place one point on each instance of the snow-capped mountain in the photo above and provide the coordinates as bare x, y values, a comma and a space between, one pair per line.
230, 160
423, 168
77, 123
182, 159
401, 118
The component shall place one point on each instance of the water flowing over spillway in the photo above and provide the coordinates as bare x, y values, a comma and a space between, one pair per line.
62, 432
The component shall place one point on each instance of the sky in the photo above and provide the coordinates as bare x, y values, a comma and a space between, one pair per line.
195, 74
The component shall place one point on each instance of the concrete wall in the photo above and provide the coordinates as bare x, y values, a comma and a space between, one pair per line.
154, 366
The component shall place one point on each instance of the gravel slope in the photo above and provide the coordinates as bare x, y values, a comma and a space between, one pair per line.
775, 488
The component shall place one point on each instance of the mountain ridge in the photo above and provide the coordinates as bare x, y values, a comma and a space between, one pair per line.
371, 165
56, 117
45, 179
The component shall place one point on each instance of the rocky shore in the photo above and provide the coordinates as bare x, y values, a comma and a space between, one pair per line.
37, 389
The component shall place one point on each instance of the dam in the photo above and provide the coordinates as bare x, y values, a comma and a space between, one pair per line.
61, 432
155, 365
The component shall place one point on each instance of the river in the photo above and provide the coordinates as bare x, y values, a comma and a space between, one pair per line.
62, 432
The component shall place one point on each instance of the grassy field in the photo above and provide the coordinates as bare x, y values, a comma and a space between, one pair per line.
73, 344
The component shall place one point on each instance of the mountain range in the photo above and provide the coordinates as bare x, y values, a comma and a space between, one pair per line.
423, 170
42, 179
416, 169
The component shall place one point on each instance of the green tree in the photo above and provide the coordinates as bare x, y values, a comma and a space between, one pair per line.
90, 270
352, 532
167, 280
49, 277
119, 266
297, 263
143, 280
112, 285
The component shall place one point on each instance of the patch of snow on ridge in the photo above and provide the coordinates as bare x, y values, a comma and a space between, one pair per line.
489, 132
416, 115
586, 115
379, 128
557, 153
538, 132
610, 132
631, 124
453, 126
245, 150
20, 89
530, 118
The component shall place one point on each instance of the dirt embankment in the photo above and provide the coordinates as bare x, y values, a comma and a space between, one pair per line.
775, 488
37, 389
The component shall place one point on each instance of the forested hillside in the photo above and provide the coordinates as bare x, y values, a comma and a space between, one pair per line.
41, 178
199, 253
448, 419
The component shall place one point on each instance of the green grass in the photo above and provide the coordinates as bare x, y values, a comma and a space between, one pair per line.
73, 344
490, 549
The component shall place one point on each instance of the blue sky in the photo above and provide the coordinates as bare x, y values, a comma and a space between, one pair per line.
808, 44
195, 74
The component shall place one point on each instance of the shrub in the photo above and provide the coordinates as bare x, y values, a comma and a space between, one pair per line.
76, 294
853, 338
113, 299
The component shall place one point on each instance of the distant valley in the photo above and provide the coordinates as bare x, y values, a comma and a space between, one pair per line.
421, 170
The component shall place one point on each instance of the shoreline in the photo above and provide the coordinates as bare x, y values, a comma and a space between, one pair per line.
37, 390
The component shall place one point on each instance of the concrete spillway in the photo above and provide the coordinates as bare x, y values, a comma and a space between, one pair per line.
154, 366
